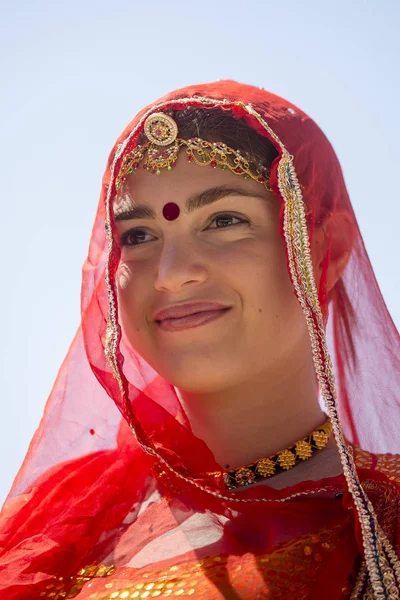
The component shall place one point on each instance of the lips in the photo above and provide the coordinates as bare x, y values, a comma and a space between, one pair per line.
186, 316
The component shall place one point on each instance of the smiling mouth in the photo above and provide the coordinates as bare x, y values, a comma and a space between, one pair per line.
190, 321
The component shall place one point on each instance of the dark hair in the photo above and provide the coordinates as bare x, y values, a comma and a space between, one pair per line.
215, 125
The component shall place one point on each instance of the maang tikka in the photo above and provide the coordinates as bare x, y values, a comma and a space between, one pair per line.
162, 149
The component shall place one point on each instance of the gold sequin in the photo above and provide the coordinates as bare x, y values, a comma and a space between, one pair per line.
325, 546
149, 586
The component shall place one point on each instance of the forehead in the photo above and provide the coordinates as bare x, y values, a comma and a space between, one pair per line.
185, 180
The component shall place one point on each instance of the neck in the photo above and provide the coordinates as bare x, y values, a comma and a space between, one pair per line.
257, 418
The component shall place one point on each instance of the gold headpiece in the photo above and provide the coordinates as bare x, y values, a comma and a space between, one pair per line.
161, 130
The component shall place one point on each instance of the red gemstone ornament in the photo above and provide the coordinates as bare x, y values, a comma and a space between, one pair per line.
171, 211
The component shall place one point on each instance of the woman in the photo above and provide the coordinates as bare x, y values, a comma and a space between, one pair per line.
226, 283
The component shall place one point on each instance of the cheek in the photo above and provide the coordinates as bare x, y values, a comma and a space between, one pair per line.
268, 293
134, 289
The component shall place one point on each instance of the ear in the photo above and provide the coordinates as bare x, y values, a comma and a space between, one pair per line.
331, 247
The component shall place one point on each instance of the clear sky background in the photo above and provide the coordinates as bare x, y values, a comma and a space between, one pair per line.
74, 73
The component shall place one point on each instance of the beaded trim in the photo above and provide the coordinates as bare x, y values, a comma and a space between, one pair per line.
381, 561
198, 151
284, 460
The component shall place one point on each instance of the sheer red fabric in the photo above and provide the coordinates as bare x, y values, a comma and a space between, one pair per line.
145, 506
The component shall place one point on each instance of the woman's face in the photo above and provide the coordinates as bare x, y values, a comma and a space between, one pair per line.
227, 251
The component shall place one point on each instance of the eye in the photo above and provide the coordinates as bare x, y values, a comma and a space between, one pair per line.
134, 237
226, 220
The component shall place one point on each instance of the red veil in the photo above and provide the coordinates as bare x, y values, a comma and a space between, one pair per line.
96, 512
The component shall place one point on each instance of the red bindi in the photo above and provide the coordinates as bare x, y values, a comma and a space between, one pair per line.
171, 211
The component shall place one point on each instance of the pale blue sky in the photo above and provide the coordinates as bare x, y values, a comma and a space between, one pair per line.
74, 73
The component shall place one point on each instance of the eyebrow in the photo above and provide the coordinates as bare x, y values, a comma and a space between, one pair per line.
194, 202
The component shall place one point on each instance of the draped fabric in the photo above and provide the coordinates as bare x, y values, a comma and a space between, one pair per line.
117, 498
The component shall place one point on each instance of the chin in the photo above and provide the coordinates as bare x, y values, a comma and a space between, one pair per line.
198, 367
198, 380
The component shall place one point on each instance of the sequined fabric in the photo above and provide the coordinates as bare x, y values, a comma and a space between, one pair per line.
290, 570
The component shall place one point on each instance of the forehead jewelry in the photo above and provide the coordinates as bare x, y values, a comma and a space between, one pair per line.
163, 146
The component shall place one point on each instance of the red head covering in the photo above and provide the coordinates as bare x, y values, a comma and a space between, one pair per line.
89, 490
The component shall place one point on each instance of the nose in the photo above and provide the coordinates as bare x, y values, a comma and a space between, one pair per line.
179, 266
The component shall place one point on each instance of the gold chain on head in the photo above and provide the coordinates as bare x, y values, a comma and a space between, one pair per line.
161, 152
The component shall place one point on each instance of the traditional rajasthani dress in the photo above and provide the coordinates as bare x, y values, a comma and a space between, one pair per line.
131, 504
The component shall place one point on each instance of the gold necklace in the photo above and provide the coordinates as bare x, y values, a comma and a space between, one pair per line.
286, 459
